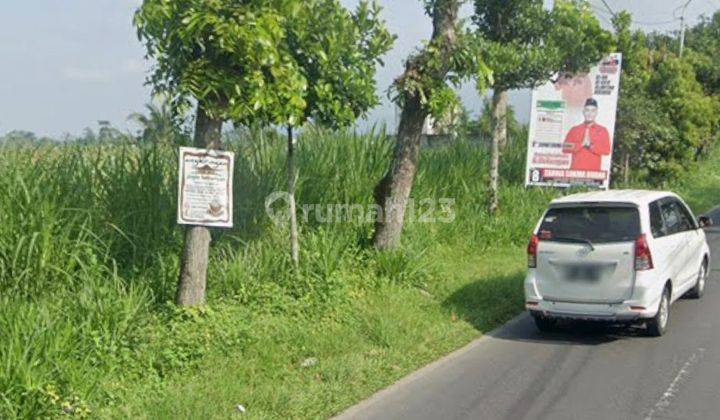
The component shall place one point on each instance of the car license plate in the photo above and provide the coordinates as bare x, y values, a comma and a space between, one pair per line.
584, 272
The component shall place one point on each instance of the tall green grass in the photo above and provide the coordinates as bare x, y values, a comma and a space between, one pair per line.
89, 255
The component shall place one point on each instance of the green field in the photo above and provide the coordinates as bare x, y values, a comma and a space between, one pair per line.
89, 255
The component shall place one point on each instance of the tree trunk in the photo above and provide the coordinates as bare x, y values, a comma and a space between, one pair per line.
292, 178
393, 191
193, 267
626, 168
500, 105
499, 140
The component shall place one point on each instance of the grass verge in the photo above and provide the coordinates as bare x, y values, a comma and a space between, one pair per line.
89, 260
385, 334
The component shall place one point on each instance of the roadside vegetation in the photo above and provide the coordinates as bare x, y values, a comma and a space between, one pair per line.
88, 267
89, 245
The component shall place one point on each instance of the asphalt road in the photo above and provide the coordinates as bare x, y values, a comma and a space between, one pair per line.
591, 373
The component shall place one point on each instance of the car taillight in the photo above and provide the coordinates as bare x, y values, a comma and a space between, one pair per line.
643, 257
532, 251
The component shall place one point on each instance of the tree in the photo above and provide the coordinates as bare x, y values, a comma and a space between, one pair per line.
703, 44
259, 63
526, 46
337, 53
482, 127
674, 87
216, 53
159, 125
666, 114
425, 88
637, 121
108, 133
18, 138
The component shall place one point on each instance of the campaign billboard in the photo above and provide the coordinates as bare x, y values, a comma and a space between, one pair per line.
572, 126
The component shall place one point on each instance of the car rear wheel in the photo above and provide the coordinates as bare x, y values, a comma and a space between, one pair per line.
657, 326
699, 289
545, 324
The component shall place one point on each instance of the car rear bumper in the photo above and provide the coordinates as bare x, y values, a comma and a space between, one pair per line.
642, 303
616, 312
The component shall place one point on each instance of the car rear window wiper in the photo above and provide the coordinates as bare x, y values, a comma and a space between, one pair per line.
580, 240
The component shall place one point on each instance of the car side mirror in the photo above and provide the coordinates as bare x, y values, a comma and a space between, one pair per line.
704, 221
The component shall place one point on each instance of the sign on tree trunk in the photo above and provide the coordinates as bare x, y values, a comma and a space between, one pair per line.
205, 187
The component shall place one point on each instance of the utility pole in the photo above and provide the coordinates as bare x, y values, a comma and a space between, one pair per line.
682, 27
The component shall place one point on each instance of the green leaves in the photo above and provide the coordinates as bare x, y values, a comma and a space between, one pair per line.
666, 116
526, 44
576, 36
451, 57
703, 42
512, 44
338, 53
265, 62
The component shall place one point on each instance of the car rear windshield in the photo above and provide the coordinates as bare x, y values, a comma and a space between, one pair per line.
596, 224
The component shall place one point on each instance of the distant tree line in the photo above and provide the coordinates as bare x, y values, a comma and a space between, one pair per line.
669, 106
158, 125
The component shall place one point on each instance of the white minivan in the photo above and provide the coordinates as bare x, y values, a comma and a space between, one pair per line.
618, 255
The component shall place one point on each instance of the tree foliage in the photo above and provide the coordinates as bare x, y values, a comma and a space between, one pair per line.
703, 43
437, 70
481, 128
266, 62
258, 63
667, 111
159, 125
527, 44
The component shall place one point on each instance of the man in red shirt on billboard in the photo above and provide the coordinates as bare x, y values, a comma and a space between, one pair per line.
587, 142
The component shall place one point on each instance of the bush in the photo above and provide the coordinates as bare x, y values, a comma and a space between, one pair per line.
89, 255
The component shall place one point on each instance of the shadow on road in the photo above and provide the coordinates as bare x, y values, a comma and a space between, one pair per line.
488, 303
572, 333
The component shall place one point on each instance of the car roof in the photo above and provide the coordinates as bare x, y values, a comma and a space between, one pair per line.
637, 197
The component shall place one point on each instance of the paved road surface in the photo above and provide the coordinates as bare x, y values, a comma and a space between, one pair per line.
610, 373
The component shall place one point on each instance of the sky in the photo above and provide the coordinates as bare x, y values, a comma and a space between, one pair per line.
67, 64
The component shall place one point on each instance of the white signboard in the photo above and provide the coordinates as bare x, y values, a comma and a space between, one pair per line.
572, 124
205, 187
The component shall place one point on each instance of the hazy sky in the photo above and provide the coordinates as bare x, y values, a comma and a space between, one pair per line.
67, 64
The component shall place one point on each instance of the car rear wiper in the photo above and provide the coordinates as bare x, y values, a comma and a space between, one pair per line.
569, 239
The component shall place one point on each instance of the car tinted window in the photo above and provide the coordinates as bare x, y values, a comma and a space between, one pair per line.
687, 220
676, 218
656, 221
672, 221
596, 224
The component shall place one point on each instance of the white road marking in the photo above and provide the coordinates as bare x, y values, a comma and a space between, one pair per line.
664, 401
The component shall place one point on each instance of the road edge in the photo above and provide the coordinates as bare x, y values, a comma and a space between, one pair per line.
357, 408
